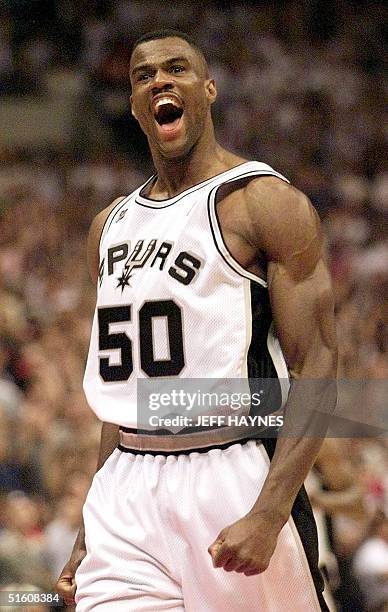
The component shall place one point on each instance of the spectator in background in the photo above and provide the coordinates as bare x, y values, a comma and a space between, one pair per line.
10, 470
22, 541
335, 491
371, 565
61, 532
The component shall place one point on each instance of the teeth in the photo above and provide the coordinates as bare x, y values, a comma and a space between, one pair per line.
165, 100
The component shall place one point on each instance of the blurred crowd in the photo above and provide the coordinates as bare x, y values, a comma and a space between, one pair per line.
300, 87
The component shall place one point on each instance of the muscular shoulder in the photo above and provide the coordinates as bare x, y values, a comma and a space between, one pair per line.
283, 223
94, 238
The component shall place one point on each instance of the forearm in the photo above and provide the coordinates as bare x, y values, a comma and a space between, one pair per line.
306, 418
79, 544
289, 467
108, 442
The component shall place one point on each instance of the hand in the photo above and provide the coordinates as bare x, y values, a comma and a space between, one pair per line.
66, 586
246, 546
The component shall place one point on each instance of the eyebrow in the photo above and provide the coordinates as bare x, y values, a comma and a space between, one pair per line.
171, 60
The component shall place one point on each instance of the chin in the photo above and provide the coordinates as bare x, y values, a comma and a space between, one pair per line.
174, 150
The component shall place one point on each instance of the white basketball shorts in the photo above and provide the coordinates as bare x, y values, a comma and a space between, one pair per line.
149, 521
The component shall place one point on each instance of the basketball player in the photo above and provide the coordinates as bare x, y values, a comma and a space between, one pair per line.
191, 270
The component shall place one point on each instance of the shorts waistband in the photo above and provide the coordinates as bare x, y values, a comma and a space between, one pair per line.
131, 441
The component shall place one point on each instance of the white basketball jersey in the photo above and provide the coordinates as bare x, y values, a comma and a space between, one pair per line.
173, 302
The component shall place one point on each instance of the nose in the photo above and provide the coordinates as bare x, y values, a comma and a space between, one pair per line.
162, 82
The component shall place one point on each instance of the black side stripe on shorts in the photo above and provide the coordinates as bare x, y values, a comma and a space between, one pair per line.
305, 524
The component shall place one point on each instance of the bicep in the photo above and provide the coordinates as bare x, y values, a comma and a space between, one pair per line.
303, 313
285, 225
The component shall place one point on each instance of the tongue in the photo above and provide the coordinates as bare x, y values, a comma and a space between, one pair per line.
170, 127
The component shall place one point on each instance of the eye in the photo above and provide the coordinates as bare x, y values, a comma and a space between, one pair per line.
143, 76
176, 69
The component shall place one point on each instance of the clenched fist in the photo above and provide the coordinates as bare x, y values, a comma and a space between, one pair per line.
246, 546
66, 586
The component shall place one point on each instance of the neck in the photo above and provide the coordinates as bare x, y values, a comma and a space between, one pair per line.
205, 160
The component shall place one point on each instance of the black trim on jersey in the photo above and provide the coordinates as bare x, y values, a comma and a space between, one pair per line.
303, 517
186, 451
115, 210
262, 373
148, 181
221, 253
129, 430
119, 203
166, 205
253, 174
122, 202
179, 196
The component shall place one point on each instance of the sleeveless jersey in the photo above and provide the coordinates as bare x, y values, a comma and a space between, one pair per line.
172, 302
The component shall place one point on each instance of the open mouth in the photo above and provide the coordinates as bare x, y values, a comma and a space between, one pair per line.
168, 112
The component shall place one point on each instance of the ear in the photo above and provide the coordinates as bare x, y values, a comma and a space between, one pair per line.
211, 90
132, 108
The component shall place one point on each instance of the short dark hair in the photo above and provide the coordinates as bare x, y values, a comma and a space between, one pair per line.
168, 33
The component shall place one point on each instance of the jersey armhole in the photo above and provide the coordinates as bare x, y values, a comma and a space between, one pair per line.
216, 228
109, 220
